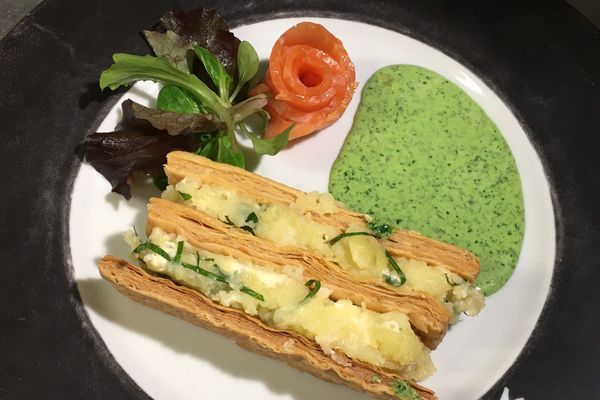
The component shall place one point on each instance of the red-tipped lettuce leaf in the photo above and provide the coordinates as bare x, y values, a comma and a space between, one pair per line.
137, 146
207, 29
174, 123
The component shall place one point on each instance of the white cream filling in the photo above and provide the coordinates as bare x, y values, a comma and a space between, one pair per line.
363, 256
381, 339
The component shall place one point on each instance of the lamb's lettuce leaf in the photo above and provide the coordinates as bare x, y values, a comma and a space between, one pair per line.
175, 99
269, 146
129, 68
219, 76
247, 63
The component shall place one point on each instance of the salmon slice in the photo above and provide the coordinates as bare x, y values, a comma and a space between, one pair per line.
311, 80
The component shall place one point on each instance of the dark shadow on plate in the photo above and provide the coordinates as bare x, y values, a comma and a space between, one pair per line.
263, 65
142, 189
93, 94
185, 338
302, 139
151, 99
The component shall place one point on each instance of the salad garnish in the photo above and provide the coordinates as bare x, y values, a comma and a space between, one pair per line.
204, 71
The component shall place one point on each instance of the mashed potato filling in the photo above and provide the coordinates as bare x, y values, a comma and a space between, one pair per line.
361, 255
381, 339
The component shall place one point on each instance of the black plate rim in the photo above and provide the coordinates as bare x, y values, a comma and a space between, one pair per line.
517, 377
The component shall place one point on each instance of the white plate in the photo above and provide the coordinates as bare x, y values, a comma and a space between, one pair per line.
171, 359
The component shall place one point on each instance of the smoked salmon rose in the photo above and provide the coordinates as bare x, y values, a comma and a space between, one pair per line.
311, 80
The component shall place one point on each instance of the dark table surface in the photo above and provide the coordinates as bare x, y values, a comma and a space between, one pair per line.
99, 381
11, 11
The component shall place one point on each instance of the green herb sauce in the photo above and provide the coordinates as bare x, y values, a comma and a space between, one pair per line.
422, 155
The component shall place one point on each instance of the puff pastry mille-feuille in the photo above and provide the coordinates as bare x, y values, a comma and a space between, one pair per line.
313, 221
278, 304
297, 277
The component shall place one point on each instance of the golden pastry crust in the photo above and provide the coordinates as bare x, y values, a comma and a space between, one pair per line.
402, 243
428, 317
248, 332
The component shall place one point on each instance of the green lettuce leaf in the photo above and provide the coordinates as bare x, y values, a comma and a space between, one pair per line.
171, 98
128, 68
270, 146
216, 71
247, 63
227, 154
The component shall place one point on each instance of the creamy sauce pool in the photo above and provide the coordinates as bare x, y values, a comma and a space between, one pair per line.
423, 156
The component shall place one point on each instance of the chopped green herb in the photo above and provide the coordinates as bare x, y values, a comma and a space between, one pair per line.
179, 252
404, 391
393, 280
314, 286
220, 277
375, 379
248, 229
450, 283
204, 259
382, 231
206, 273
219, 272
347, 234
153, 248
252, 293
161, 182
379, 231
184, 196
228, 221
252, 218
396, 268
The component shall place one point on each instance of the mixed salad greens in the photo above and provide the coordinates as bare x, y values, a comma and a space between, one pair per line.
204, 71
